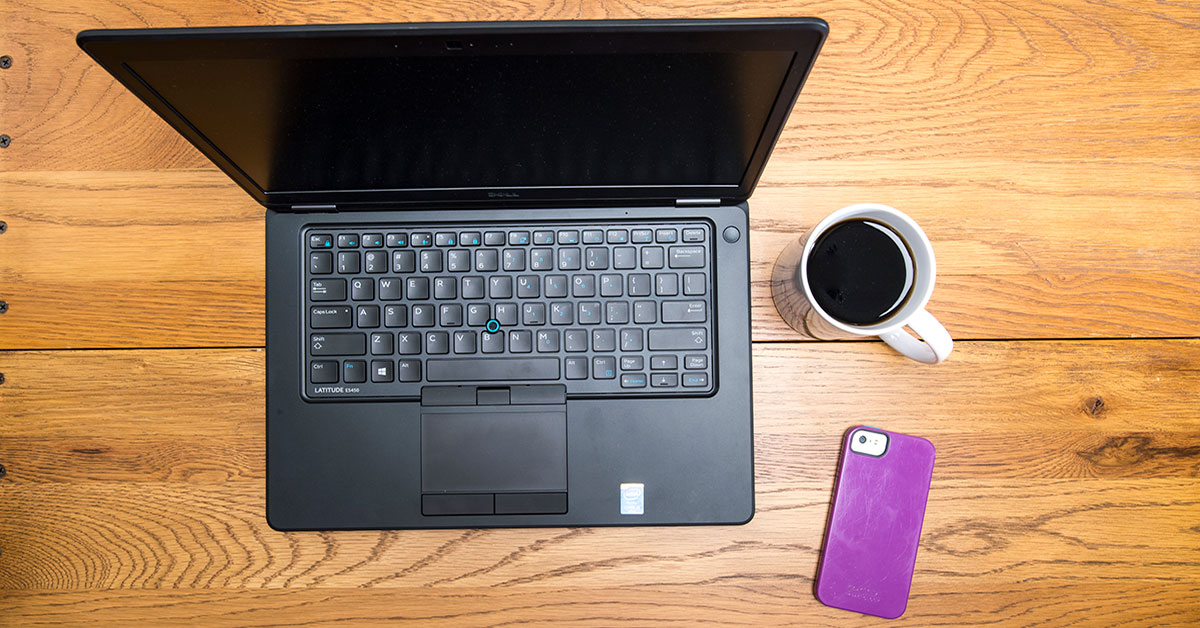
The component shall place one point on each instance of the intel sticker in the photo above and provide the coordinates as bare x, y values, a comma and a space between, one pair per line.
633, 498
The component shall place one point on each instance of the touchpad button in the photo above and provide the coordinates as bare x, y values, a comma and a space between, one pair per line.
494, 450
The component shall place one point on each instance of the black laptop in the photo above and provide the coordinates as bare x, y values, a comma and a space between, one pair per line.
507, 264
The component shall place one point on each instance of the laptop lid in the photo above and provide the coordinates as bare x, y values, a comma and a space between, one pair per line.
471, 114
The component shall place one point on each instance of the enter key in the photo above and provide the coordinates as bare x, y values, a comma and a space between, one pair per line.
692, 311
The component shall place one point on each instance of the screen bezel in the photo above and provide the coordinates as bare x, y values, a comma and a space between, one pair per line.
116, 49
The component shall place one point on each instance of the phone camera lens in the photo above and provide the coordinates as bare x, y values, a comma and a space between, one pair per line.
862, 439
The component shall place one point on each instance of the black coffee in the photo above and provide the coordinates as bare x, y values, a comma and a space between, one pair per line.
860, 272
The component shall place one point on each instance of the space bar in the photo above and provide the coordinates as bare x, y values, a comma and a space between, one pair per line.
491, 369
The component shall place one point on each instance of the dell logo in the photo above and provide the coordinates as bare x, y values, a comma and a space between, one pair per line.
503, 195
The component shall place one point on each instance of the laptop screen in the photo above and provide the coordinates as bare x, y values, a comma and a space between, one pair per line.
385, 114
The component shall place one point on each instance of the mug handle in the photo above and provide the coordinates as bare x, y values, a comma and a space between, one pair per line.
937, 343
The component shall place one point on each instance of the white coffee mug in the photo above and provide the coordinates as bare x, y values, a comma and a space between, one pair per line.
794, 298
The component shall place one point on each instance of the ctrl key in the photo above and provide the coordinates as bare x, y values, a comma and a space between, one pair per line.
323, 371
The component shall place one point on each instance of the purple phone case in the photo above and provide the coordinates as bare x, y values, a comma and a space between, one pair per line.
875, 526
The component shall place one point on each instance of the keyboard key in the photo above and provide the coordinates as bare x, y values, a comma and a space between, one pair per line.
547, 341
347, 240
330, 317
562, 313
395, 315
394, 240
693, 284
338, 344
408, 343
362, 289
520, 341
445, 239
528, 286
641, 236
589, 312
575, 340
695, 380
568, 236
518, 238
417, 288
320, 263
492, 343
445, 288
593, 236
604, 340
408, 370
638, 285
575, 368
327, 290
611, 285
514, 259
686, 257
676, 338
437, 342
382, 343
506, 313
470, 238
583, 285
422, 315
354, 371
478, 314
663, 363
368, 316
666, 284
693, 235
541, 259
323, 371
404, 261
596, 258
473, 287
491, 369
632, 363
372, 240
500, 287
652, 257
633, 380
494, 238
631, 339
422, 239
684, 312
487, 260
568, 258
556, 286
390, 289
464, 342
348, 262
458, 260
451, 315
624, 257
695, 362
664, 380
604, 367
665, 236
616, 312
533, 314
645, 312
543, 237
617, 236
431, 261
381, 371
321, 241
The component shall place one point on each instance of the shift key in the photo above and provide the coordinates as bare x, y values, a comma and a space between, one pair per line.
331, 317
678, 339
338, 344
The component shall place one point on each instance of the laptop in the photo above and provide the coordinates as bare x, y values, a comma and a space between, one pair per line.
507, 274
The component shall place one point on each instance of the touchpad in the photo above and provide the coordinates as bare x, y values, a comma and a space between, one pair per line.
494, 450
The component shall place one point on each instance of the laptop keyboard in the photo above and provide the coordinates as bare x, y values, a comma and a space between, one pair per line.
619, 308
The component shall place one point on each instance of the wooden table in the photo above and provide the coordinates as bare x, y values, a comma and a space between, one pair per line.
1050, 149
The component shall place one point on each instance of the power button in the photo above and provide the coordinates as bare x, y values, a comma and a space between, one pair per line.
731, 234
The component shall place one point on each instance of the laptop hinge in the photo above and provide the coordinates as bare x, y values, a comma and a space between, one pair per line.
697, 202
314, 208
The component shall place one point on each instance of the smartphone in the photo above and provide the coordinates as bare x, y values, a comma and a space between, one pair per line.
875, 523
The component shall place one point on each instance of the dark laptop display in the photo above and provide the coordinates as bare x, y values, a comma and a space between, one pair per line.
507, 264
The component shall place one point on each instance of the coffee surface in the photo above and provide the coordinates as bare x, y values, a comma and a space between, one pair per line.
860, 272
